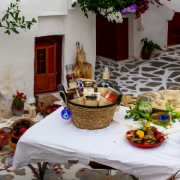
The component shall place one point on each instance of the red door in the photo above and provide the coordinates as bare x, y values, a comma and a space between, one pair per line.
174, 30
45, 68
112, 38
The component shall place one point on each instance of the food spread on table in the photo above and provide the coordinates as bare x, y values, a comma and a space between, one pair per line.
138, 113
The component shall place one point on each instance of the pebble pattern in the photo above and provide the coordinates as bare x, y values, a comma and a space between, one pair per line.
139, 76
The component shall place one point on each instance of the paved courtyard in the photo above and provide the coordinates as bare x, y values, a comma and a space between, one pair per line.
135, 77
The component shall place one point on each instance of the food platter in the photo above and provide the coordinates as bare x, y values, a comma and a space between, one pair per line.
144, 145
147, 137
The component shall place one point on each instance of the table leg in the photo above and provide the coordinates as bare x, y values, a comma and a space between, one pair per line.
174, 176
42, 170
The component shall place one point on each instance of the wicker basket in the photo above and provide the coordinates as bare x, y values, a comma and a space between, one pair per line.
90, 117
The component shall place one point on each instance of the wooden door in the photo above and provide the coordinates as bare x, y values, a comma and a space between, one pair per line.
174, 30
45, 68
112, 38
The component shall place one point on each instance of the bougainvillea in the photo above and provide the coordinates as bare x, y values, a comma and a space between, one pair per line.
112, 9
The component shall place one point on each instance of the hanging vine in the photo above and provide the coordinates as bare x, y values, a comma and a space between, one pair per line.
12, 19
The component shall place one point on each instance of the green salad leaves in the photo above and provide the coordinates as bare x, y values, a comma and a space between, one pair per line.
136, 113
140, 115
172, 113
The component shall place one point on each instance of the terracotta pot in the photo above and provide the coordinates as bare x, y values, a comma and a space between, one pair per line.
145, 55
3, 139
13, 139
17, 110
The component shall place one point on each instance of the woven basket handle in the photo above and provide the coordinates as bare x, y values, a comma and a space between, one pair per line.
62, 92
120, 96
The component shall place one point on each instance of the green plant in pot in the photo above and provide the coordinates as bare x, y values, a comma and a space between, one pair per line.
148, 48
18, 104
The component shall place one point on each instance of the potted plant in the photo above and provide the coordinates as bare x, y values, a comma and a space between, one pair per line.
18, 104
148, 48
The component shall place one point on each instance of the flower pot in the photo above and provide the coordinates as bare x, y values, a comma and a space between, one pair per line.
3, 139
17, 110
145, 55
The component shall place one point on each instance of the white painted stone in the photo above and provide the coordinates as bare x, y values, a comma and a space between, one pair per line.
153, 26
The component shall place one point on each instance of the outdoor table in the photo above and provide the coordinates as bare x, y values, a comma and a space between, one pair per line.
54, 140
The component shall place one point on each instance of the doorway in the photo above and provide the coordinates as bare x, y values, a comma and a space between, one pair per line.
47, 63
112, 38
174, 30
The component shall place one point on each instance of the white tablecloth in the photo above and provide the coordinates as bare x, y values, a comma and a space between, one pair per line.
53, 140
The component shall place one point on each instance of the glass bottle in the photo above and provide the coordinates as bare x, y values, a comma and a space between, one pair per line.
70, 77
145, 104
105, 82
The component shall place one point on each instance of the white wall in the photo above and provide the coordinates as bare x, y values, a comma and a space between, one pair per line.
153, 25
17, 51
79, 29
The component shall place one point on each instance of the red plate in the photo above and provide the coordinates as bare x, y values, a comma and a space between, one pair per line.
144, 145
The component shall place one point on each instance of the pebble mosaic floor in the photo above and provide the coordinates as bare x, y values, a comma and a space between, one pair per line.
136, 77
133, 77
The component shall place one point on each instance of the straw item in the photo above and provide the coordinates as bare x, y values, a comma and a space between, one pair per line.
82, 69
91, 118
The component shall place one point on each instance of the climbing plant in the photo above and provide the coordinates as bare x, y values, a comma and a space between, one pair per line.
109, 7
12, 20
105, 6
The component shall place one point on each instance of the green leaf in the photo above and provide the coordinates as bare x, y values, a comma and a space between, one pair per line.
34, 20
168, 107
15, 30
29, 26
5, 17
23, 19
16, 16
12, 14
8, 24
7, 32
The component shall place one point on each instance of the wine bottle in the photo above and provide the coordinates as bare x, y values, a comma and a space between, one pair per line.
105, 81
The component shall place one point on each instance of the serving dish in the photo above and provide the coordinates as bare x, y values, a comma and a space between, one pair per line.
146, 137
145, 145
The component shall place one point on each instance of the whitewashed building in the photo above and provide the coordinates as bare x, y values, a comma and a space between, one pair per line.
56, 17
